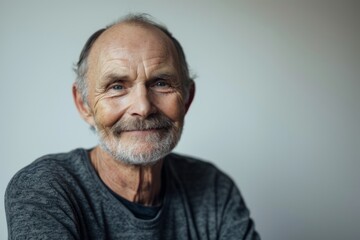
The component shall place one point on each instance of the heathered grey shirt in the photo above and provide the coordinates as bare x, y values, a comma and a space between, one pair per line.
60, 196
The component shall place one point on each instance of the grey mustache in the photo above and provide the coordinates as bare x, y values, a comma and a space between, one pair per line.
138, 124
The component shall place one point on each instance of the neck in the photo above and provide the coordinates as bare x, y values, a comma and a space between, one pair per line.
140, 184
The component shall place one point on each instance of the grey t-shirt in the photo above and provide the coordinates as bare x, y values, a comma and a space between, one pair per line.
60, 196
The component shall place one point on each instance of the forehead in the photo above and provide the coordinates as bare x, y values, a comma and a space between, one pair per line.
132, 42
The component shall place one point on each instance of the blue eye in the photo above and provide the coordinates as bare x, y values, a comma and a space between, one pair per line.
161, 84
117, 87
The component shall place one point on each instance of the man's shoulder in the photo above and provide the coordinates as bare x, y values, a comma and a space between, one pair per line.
48, 168
190, 162
194, 170
54, 162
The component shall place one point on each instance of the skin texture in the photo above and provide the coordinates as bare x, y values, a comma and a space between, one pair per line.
133, 73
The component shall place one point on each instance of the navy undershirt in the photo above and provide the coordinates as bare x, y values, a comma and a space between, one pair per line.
139, 210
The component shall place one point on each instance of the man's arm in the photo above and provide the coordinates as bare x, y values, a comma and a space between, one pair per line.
235, 220
37, 208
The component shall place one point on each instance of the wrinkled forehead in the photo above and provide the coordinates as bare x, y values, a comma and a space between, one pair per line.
135, 39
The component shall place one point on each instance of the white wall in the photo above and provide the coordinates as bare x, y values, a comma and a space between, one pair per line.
277, 105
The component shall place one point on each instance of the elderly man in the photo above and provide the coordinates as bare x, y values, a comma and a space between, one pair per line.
133, 88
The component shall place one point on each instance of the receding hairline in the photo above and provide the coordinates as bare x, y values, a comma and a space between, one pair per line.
109, 37
143, 25
118, 35
145, 21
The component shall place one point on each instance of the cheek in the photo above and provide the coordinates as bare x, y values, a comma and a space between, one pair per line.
172, 106
108, 112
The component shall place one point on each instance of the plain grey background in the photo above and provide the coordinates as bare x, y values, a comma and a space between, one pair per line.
277, 104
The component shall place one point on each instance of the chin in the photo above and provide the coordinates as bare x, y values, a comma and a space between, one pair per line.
147, 150
142, 154
141, 158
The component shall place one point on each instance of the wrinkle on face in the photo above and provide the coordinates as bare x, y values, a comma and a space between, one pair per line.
135, 60
134, 78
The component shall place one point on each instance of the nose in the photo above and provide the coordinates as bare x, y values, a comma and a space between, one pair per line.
142, 105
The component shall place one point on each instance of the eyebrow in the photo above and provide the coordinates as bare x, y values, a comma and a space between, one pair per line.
113, 77
167, 76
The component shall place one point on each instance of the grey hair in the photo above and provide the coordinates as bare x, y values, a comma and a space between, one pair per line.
81, 67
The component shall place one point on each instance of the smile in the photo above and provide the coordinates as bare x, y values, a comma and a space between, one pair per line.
144, 131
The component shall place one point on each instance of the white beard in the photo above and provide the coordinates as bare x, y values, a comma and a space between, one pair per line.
139, 151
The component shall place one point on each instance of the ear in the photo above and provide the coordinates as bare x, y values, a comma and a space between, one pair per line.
190, 97
82, 107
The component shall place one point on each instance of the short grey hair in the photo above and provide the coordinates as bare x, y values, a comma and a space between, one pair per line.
81, 67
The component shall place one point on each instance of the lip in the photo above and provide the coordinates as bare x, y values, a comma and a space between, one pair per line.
143, 132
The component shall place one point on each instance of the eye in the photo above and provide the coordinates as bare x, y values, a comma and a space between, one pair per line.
162, 86
117, 87
161, 83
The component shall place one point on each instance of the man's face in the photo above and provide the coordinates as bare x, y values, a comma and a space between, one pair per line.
135, 93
